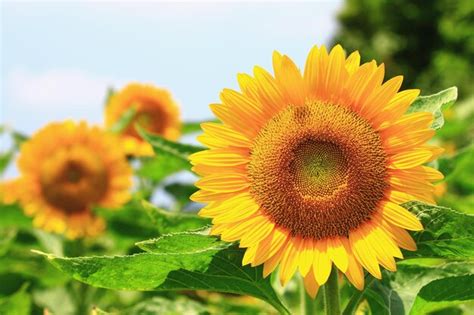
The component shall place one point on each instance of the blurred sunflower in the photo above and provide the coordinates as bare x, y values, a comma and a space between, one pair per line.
65, 169
309, 170
154, 109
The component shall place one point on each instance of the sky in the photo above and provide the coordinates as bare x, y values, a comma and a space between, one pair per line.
59, 58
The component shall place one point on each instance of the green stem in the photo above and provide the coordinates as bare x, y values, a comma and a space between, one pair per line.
357, 297
307, 304
331, 294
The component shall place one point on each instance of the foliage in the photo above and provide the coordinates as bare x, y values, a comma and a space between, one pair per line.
431, 44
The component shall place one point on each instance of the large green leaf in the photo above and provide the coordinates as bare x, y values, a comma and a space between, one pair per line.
447, 233
13, 216
16, 304
182, 261
443, 293
162, 306
435, 104
161, 166
413, 274
168, 222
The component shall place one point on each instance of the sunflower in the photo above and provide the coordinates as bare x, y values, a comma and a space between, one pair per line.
309, 170
65, 169
155, 110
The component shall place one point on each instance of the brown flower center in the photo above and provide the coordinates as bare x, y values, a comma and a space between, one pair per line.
318, 170
150, 116
73, 179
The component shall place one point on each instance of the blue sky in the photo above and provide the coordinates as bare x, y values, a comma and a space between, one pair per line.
58, 58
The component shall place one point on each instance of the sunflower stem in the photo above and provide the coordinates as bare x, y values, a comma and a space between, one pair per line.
331, 294
307, 304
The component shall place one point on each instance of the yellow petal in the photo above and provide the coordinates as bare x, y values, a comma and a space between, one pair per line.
224, 182
273, 261
353, 62
364, 253
410, 159
248, 86
218, 135
310, 284
321, 262
270, 96
289, 261
337, 253
291, 82
354, 273
249, 255
256, 233
234, 209
270, 246
401, 217
399, 235
219, 157
311, 70
306, 257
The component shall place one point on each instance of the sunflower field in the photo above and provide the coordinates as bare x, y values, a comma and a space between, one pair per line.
344, 185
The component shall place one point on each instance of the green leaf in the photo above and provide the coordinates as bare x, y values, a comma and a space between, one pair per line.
162, 306
435, 104
16, 304
191, 127
384, 300
183, 261
413, 274
18, 138
160, 167
170, 149
5, 159
12, 216
447, 233
124, 121
451, 165
443, 293
181, 192
168, 222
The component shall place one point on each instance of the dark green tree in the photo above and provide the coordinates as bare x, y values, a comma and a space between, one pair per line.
431, 43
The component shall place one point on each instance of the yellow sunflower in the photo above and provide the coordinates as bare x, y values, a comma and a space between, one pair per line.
155, 110
309, 170
65, 169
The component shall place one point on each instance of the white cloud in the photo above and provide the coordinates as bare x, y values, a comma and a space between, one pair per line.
57, 88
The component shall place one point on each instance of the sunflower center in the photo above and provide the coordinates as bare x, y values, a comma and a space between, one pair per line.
318, 170
149, 116
73, 179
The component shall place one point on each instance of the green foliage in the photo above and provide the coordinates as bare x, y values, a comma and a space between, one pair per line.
169, 149
447, 233
442, 293
186, 261
430, 43
16, 304
435, 104
168, 222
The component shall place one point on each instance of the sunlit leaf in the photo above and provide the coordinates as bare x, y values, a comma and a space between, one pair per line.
12, 216
442, 293
447, 233
161, 166
435, 104
413, 274
163, 306
16, 304
168, 221
185, 261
